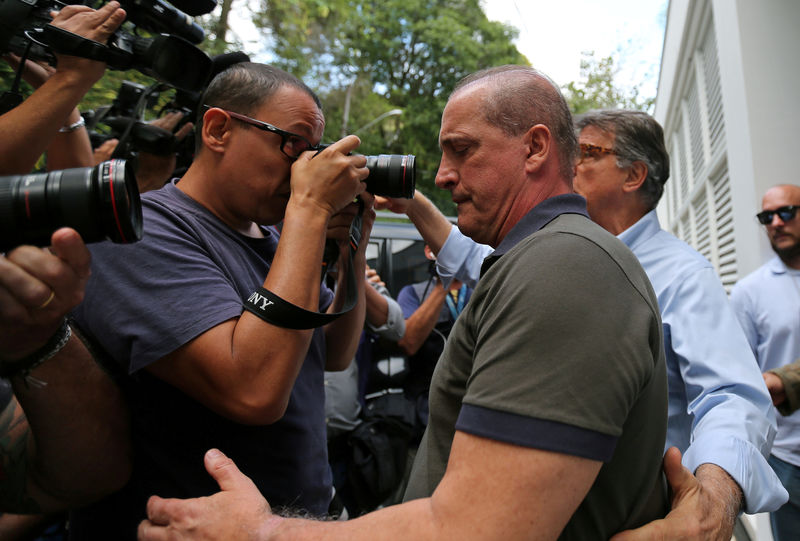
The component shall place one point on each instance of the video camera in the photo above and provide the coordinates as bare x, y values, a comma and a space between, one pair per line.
124, 119
99, 202
167, 53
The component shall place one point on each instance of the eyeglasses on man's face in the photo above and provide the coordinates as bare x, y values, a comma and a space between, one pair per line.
292, 144
785, 213
592, 152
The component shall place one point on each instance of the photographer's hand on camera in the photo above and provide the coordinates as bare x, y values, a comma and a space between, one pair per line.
38, 286
328, 181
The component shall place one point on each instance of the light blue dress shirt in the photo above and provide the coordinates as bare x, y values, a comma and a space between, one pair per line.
719, 409
767, 303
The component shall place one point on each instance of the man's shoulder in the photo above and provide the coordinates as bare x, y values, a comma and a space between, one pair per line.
756, 279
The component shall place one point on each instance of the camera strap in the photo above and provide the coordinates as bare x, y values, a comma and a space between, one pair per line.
273, 309
65, 42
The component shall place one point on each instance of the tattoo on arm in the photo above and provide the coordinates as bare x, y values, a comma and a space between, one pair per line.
14, 432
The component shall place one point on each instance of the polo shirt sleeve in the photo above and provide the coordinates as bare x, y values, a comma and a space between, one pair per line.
564, 345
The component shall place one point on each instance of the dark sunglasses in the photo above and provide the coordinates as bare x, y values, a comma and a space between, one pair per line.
785, 213
292, 144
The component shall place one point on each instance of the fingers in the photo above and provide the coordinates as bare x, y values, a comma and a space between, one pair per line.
655, 531
677, 475
345, 145
225, 472
67, 245
148, 531
104, 151
184, 130
96, 25
30, 276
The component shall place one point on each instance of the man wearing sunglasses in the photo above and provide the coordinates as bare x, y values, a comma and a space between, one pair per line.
713, 380
198, 370
768, 305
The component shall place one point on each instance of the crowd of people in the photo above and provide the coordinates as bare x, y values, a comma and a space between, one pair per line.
569, 370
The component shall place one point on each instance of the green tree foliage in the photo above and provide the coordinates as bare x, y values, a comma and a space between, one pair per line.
597, 88
396, 54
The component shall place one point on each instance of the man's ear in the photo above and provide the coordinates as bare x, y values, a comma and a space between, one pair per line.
216, 126
539, 142
637, 174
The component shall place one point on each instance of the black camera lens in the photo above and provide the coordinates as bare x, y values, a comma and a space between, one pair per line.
392, 175
99, 202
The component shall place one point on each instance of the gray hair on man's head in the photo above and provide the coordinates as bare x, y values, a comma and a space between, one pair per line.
522, 97
638, 137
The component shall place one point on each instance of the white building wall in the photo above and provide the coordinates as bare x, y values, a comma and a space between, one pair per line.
728, 100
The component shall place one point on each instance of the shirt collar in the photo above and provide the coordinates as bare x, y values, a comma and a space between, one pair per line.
536, 218
646, 228
777, 266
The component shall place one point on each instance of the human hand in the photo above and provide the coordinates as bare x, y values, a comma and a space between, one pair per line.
373, 277
703, 507
156, 169
331, 179
775, 387
104, 151
38, 286
397, 205
96, 25
238, 512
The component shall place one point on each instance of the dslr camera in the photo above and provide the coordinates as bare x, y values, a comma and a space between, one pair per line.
390, 175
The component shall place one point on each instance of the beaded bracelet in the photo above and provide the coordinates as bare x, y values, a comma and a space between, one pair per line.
24, 367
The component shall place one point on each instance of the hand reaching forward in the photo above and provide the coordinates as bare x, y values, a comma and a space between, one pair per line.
703, 507
237, 513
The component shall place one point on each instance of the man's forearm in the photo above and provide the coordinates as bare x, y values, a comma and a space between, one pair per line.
429, 221
421, 323
79, 446
30, 128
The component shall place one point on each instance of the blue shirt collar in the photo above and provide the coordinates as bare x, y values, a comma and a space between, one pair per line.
536, 218
647, 227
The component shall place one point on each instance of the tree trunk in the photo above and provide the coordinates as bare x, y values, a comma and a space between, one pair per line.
221, 28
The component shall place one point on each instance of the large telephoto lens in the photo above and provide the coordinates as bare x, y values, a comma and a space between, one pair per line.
100, 202
392, 175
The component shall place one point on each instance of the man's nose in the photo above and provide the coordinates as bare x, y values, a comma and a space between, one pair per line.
446, 176
776, 220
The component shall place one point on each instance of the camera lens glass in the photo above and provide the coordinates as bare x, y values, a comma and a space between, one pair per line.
99, 202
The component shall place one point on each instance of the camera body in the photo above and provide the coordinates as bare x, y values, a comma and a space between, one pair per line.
168, 54
390, 175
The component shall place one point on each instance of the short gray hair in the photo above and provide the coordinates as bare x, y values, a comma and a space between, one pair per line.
523, 97
638, 137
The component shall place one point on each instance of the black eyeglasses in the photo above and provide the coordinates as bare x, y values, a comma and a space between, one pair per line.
292, 144
592, 151
785, 213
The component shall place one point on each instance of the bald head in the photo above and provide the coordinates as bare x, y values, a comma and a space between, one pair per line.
519, 97
781, 192
783, 234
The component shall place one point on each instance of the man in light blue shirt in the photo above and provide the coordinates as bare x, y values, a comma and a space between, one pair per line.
720, 414
767, 303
